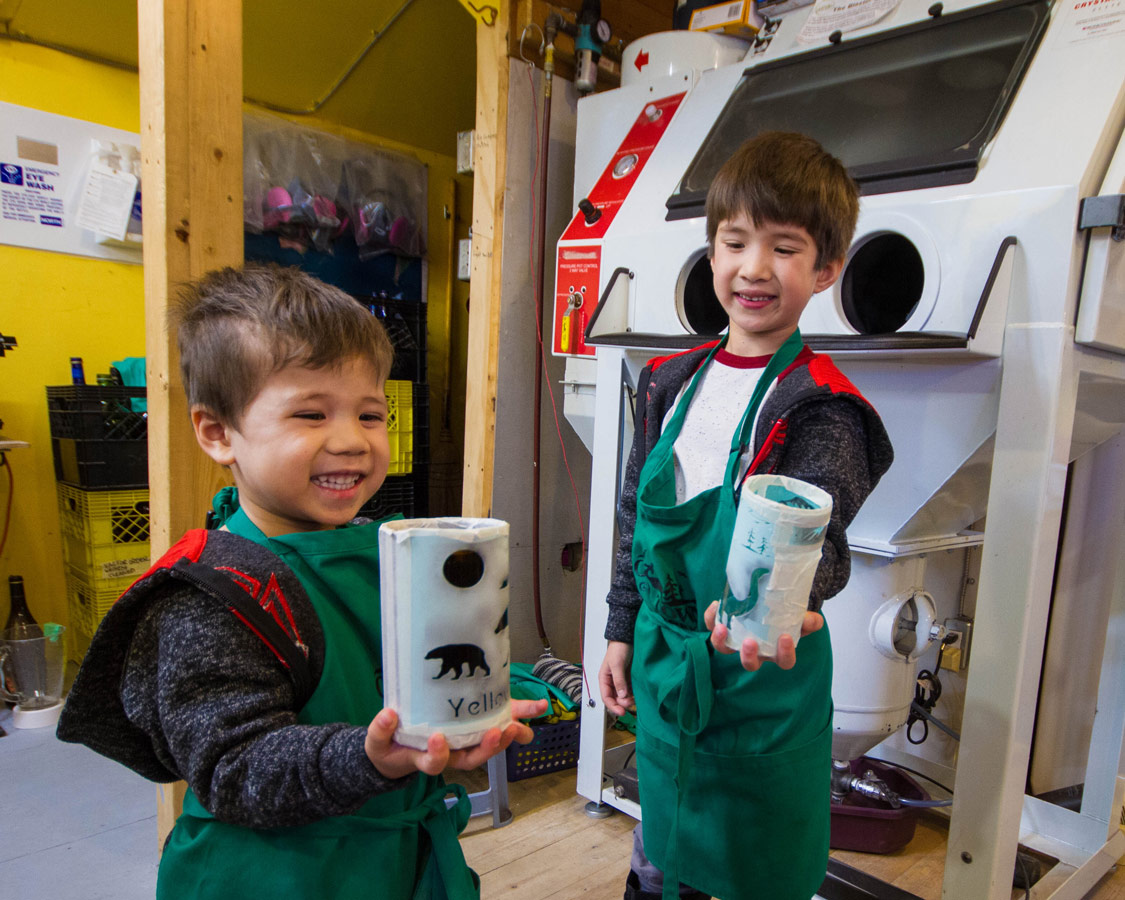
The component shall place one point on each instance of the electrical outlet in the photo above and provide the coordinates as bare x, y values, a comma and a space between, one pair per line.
464, 258
955, 655
465, 152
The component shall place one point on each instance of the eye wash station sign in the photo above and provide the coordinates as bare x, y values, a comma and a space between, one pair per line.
56, 193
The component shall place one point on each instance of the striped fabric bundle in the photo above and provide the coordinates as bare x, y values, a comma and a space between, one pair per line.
566, 676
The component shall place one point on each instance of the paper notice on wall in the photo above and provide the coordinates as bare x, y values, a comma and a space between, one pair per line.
1092, 19
106, 201
828, 16
44, 161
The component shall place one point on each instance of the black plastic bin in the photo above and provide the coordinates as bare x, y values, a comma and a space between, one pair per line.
395, 496
553, 748
405, 322
98, 440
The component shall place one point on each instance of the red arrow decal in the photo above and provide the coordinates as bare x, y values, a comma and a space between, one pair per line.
641, 60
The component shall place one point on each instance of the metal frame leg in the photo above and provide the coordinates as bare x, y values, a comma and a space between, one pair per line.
1035, 420
599, 567
990, 812
495, 799
612, 439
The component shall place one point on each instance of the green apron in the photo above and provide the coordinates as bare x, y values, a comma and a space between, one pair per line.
401, 845
734, 766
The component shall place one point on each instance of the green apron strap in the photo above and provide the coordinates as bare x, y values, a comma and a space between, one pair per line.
692, 713
694, 693
456, 878
683, 770
781, 360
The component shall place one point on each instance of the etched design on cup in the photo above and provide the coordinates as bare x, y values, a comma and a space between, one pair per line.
774, 553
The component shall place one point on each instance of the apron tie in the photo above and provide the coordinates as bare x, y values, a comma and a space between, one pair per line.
442, 822
443, 826
690, 681
692, 713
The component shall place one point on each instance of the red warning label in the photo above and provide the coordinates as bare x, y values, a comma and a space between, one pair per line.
576, 294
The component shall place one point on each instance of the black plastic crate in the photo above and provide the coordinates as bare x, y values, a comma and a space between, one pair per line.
421, 479
421, 422
421, 466
422, 449
97, 439
405, 322
554, 748
395, 496
96, 412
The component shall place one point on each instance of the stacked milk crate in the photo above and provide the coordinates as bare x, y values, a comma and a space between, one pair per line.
406, 487
99, 439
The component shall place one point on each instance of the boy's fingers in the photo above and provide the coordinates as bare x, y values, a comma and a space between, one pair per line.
624, 697
812, 622
491, 741
613, 678
719, 636
381, 732
521, 733
609, 698
709, 615
607, 682
384, 724
528, 709
436, 755
621, 685
471, 757
786, 652
748, 655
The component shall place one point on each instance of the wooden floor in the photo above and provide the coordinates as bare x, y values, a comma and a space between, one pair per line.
75, 826
553, 851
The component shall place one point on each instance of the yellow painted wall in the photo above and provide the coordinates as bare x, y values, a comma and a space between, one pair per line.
58, 306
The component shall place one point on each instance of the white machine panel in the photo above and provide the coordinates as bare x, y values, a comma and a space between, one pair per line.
967, 301
920, 236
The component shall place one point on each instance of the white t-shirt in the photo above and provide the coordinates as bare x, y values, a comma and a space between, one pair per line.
702, 447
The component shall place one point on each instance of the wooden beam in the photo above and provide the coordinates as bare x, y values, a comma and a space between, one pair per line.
489, 170
190, 55
494, 45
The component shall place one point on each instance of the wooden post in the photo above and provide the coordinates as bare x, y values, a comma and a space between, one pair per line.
489, 167
190, 54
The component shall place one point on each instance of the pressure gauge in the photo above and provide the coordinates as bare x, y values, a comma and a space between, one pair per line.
602, 31
625, 165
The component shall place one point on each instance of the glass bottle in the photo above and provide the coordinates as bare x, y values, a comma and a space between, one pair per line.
21, 623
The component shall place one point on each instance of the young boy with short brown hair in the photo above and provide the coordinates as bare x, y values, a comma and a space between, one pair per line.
248, 660
734, 756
